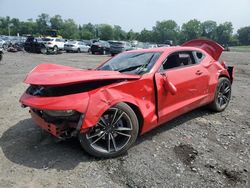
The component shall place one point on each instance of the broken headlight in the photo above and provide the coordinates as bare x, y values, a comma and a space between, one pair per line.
59, 113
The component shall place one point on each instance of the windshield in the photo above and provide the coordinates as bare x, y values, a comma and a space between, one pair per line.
132, 62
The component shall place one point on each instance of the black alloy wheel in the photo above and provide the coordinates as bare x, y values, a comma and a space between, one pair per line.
115, 132
222, 95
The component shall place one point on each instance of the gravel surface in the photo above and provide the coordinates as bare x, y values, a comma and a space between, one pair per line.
198, 149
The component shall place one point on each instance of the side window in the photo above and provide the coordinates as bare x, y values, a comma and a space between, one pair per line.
198, 56
178, 59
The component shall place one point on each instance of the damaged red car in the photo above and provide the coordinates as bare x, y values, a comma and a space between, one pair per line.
128, 95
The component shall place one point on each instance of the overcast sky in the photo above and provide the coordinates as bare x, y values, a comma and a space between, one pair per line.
132, 14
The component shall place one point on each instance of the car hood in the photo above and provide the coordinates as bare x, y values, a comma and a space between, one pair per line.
53, 74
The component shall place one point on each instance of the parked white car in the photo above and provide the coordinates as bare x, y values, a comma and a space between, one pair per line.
55, 44
76, 46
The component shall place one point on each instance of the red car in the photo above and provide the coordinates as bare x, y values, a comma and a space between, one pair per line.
128, 95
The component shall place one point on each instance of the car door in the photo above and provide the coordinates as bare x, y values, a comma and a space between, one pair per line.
189, 77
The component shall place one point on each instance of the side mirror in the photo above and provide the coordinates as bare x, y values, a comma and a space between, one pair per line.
169, 86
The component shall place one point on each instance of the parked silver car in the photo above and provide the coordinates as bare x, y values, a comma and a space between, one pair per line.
76, 46
3, 44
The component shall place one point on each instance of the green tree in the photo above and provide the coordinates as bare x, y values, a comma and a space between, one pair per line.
131, 35
29, 27
56, 22
224, 32
145, 36
244, 35
69, 29
165, 30
209, 29
87, 31
105, 32
119, 34
191, 30
43, 23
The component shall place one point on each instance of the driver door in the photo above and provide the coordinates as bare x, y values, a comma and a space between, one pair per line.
190, 80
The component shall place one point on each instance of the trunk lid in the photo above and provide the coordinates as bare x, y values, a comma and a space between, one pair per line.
53, 74
211, 47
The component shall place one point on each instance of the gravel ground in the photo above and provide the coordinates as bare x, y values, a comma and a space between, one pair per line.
198, 149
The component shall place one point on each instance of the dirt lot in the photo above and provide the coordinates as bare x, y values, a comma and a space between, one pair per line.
199, 149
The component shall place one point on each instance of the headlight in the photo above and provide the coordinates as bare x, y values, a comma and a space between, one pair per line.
59, 113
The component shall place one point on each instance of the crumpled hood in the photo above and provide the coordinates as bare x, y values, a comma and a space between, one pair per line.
53, 74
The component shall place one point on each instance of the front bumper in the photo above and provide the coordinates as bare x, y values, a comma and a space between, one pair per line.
53, 129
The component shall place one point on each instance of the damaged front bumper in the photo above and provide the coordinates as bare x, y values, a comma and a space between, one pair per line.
61, 116
58, 127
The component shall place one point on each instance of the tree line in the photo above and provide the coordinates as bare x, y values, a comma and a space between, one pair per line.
161, 32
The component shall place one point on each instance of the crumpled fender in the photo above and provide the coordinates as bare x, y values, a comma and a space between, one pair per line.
104, 98
102, 101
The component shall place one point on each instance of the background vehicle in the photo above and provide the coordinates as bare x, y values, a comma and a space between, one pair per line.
54, 44
101, 47
128, 95
34, 45
76, 46
117, 47
3, 44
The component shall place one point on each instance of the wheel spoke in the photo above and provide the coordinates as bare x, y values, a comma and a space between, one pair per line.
95, 135
226, 90
224, 98
98, 139
123, 129
120, 133
113, 141
113, 119
220, 101
101, 124
108, 140
103, 121
118, 118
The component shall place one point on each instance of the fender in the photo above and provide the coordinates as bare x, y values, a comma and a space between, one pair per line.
141, 96
102, 101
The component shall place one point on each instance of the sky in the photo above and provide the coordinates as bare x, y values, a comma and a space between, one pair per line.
132, 14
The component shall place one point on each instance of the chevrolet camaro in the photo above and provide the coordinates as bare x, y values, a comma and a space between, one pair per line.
107, 108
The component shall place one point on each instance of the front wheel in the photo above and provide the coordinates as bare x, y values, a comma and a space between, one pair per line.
114, 133
222, 95
55, 49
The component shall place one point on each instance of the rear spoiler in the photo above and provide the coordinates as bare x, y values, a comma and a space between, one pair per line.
211, 47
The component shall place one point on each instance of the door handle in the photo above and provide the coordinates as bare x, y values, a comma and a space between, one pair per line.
198, 72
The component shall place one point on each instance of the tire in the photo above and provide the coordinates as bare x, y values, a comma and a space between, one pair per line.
115, 132
1, 56
222, 95
44, 50
93, 53
5, 46
55, 49
78, 50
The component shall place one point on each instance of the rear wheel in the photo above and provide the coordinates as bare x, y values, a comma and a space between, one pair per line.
114, 133
79, 50
222, 95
